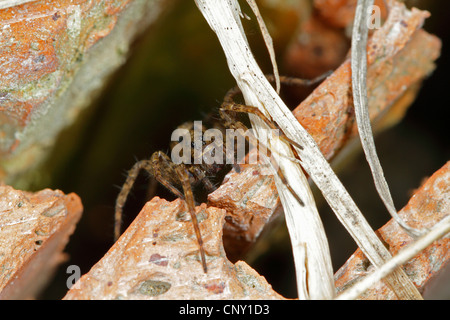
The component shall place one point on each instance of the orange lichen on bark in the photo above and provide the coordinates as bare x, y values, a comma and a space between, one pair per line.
429, 205
35, 228
42, 45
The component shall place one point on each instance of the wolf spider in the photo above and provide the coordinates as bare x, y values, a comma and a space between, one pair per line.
172, 175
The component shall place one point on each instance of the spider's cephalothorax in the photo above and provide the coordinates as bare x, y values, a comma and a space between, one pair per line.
181, 176
199, 170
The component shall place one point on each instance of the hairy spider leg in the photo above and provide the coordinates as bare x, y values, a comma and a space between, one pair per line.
147, 165
229, 103
203, 178
153, 167
232, 108
189, 199
290, 81
225, 111
229, 106
293, 81
240, 108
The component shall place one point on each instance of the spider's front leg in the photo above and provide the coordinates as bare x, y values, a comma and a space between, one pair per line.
167, 172
289, 81
123, 195
164, 171
156, 166
190, 202
229, 107
228, 110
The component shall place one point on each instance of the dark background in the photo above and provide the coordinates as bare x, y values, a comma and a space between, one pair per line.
177, 72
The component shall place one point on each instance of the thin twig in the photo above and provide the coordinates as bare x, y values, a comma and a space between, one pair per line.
360, 100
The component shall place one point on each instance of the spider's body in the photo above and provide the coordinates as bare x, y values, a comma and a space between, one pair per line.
181, 177
200, 172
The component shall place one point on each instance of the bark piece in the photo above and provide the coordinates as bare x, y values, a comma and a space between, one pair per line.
250, 199
397, 61
158, 258
429, 205
34, 229
319, 49
323, 40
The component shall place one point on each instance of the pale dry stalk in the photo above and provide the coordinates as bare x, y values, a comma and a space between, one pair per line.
309, 242
12, 3
304, 224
